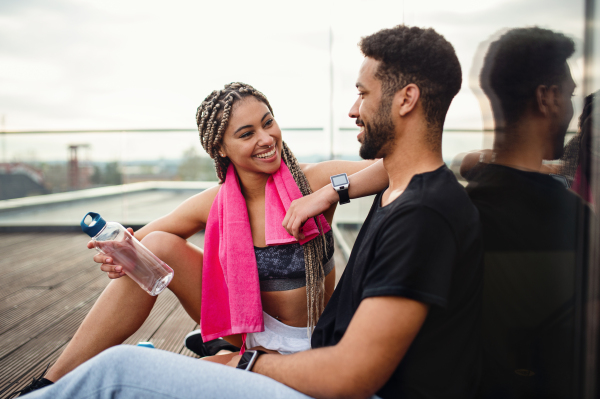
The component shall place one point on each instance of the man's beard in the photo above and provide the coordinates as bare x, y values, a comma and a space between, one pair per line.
379, 135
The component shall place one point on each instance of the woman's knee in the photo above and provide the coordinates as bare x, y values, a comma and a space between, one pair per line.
164, 245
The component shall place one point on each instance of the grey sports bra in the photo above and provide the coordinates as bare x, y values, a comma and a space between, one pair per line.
281, 267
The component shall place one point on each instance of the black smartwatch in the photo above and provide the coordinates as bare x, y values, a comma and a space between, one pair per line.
340, 184
248, 359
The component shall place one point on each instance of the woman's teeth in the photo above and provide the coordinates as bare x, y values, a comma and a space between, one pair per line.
266, 154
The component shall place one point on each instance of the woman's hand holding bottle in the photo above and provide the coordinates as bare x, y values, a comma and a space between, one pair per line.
106, 261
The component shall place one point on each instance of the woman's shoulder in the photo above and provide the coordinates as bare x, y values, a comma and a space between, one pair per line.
313, 175
208, 195
201, 203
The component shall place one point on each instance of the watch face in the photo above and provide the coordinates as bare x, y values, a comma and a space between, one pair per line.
339, 180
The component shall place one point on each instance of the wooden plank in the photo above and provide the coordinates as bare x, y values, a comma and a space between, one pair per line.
35, 267
35, 247
185, 351
31, 327
12, 316
9, 239
52, 271
170, 334
43, 249
28, 356
16, 298
35, 371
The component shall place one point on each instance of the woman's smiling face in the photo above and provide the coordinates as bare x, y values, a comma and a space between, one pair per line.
252, 140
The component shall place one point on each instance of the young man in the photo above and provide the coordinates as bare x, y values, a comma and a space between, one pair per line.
403, 319
529, 219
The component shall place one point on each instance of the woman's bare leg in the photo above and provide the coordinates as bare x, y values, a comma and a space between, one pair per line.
124, 306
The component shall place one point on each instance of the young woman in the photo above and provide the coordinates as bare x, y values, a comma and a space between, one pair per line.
238, 130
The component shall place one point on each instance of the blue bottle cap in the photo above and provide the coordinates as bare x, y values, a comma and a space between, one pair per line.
145, 344
95, 226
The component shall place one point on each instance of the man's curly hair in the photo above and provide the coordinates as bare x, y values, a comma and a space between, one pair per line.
419, 56
518, 63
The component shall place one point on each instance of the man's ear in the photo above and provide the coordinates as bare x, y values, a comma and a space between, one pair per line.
406, 99
547, 99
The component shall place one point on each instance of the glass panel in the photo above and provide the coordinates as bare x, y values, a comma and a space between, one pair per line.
590, 188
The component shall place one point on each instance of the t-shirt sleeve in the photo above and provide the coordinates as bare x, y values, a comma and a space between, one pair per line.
414, 258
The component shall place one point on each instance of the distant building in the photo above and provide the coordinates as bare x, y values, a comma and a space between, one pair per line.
20, 180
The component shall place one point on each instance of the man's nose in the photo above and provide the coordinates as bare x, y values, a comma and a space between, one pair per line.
354, 110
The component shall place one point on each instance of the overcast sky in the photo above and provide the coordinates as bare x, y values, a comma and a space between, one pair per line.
129, 64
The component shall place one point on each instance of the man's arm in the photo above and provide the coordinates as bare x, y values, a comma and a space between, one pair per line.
370, 180
379, 335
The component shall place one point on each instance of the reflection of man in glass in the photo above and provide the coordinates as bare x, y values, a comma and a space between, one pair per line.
529, 218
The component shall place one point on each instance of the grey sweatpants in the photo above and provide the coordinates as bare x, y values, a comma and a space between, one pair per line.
133, 372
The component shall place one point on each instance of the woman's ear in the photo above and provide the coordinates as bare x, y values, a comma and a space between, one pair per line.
406, 99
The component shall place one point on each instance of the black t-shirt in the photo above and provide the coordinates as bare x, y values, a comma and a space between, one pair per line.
426, 246
529, 225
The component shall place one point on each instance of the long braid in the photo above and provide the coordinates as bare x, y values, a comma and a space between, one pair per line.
212, 118
313, 250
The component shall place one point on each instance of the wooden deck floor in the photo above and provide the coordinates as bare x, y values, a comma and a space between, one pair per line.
48, 283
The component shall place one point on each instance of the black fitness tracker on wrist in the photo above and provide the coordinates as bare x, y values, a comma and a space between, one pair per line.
340, 184
248, 359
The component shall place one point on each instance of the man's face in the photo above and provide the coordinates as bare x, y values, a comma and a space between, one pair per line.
372, 111
564, 114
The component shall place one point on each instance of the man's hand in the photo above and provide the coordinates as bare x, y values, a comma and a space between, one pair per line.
306, 207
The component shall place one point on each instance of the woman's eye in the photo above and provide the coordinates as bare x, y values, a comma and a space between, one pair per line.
269, 122
247, 134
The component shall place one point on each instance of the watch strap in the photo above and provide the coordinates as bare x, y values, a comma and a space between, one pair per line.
248, 359
344, 197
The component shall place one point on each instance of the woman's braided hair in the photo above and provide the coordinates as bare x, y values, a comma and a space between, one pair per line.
212, 118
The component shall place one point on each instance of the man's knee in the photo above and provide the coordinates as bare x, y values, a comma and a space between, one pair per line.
117, 356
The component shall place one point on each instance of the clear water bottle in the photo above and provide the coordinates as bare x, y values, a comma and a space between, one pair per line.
141, 265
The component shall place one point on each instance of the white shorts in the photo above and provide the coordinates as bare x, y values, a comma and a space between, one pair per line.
279, 337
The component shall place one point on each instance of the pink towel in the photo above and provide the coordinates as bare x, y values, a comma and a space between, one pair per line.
280, 191
231, 301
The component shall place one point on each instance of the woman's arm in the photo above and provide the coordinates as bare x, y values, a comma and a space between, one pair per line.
187, 219
366, 178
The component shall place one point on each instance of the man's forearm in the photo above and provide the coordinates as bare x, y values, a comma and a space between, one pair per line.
317, 373
368, 181
362, 361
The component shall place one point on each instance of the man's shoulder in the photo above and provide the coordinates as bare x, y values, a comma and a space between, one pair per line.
443, 194
435, 197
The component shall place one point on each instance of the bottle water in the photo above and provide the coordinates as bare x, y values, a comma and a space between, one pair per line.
141, 265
